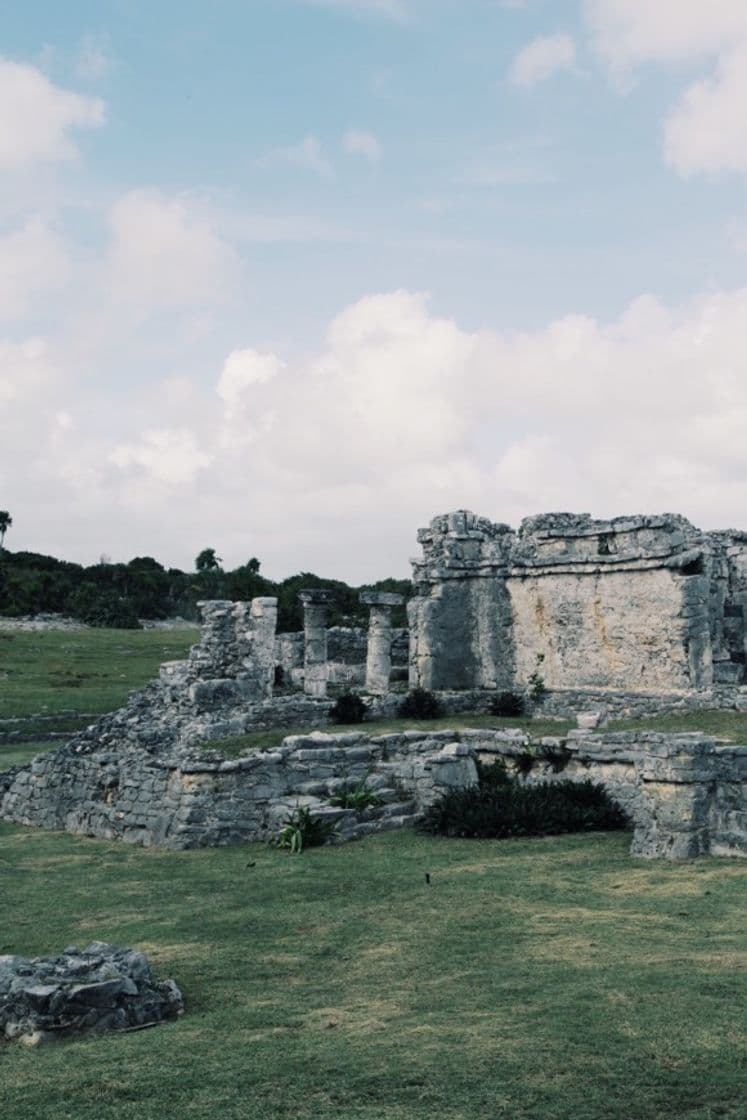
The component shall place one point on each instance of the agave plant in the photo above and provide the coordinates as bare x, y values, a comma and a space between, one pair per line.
301, 830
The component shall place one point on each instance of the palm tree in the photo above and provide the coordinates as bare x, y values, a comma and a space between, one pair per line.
5, 523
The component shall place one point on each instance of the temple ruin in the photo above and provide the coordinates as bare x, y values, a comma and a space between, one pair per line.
628, 617
636, 604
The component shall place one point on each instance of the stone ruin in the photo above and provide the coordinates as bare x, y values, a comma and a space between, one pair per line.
82, 991
647, 605
626, 617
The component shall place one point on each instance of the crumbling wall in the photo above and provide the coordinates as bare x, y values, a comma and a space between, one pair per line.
686, 795
620, 604
728, 606
647, 604
460, 618
347, 647
182, 798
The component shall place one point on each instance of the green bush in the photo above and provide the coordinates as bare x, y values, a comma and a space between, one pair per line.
508, 704
515, 809
491, 774
420, 704
349, 708
103, 608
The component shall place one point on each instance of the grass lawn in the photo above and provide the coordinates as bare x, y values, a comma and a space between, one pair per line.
724, 724
544, 979
727, 725
54, 671
18, 754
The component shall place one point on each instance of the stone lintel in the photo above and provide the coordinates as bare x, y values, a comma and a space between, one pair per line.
316, 596
381, 599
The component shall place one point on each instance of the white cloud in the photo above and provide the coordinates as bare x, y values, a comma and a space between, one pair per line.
94, 58
332, 462
33, 260
308, 155
166, 253
707, 130
242, 370
396, 10
37, 117
165, 456
26, 373
629, 32
541, 59
361, 143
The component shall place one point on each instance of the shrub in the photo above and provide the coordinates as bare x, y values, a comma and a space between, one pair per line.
301, 830
492, 774
420, 703
103, 608
524, 762
515, 809
349, 708
557, 756
507, 704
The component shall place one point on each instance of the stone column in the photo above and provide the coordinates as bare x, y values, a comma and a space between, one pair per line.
315, 605
256, 623
379, 654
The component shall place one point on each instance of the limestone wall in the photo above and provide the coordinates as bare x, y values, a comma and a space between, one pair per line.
686, 795
460, 619
185, 799
647, 604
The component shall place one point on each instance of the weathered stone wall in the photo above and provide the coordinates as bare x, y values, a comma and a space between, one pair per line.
617, 704
685, 794
617, 604
633, 604
729, 606
184, 799
460, 619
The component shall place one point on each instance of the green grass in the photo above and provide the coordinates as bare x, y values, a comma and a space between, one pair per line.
724, 724
531, 980
57, 671
18, 754
265, 740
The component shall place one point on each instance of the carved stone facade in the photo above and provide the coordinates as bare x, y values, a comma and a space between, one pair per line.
648, 604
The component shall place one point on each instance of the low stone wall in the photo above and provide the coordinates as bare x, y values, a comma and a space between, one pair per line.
89, 991
686, 795
185, 799
563, 702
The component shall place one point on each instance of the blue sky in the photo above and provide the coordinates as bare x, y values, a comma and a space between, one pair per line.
289, 277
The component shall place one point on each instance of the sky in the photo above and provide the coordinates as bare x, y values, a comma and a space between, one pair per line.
289, 278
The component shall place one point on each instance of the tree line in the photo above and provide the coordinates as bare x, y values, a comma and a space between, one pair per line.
117, 595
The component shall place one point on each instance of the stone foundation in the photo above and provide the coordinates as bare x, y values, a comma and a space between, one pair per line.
685, 794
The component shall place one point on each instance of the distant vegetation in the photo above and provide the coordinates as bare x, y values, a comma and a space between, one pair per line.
117, 595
